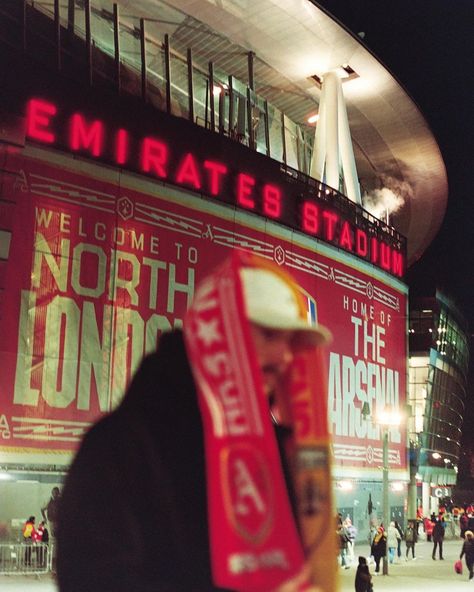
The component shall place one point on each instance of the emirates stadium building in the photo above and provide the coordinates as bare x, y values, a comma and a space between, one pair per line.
140, 143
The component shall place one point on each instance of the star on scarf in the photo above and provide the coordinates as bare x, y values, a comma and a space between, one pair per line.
207, 332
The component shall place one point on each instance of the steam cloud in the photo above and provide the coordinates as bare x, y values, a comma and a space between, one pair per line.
379, 202
387, 199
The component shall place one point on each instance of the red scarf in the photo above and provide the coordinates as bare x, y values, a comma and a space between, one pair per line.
254, 541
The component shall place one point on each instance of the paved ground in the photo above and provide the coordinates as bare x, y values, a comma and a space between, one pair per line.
414, 576
411, 576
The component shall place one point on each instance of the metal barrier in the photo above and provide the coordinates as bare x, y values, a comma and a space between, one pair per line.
23, 559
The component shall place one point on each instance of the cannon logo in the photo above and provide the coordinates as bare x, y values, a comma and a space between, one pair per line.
247, 494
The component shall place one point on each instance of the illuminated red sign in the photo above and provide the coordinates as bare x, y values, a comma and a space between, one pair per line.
153, 155
100, 265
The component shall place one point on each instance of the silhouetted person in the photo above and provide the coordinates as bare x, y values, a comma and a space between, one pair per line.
51, 509
411, 538
438, 537
468, 552
363, 579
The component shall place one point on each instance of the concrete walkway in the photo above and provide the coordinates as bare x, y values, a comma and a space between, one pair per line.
422, 575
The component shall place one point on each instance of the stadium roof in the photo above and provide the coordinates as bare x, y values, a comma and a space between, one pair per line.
295, 42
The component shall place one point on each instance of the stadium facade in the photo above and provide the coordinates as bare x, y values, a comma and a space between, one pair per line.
140, 143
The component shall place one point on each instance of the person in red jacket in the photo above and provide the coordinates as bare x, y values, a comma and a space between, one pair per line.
41, 538
428, 526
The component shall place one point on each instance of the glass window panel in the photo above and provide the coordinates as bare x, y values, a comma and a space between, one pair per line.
130, 56
291, 142
102, 32
239, 123
79, 21
156, 75
275, 132
201, 99
179, 87
258, 123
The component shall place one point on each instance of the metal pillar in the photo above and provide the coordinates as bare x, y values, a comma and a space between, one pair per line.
144, 83
189, 63
118, 80
57, 34
211, 96
168, 72
87, 16
250, 58
411, 501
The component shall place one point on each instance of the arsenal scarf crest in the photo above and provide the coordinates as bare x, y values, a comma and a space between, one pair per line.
255, 543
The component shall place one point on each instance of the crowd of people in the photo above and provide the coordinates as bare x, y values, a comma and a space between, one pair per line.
37, 537
387, 542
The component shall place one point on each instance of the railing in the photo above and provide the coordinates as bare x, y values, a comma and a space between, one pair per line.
25, 559
116, 51
80, 40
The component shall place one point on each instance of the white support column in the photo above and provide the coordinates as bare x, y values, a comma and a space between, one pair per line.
331, 80
349, 170
333, 151
319, 149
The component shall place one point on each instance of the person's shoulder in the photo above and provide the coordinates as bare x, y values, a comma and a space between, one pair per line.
102, 432
167, 366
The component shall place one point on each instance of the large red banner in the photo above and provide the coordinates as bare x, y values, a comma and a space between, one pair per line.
100, 262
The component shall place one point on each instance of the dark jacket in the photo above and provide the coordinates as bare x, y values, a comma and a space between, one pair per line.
140, 470
379, 547
363, 579
343, 537
410, 535
438, 532
468, 551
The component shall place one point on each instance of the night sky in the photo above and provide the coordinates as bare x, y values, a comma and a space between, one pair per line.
428, 46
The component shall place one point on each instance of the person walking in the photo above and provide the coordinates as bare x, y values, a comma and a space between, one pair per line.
463, 523
468, 552
393, 536
370, 538
343, 543
438, 537
411, 538
352, 533
470, 522
379, 547
399, 544
363, 579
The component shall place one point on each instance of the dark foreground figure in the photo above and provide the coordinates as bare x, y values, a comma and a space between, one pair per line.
363, 579
145, 523
134, 510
